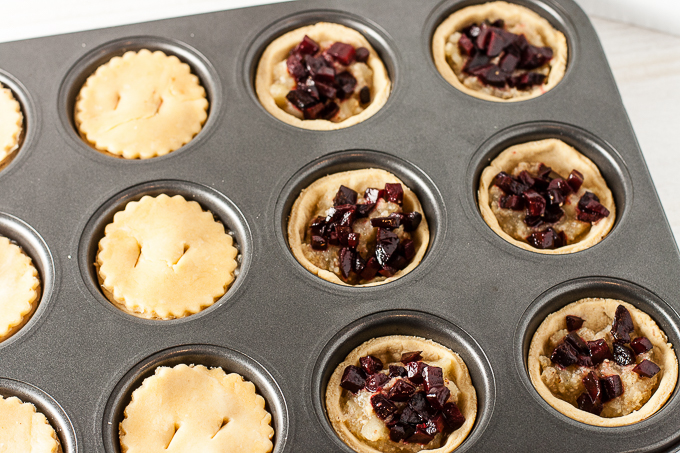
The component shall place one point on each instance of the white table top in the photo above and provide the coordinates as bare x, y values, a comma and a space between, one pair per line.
645, 63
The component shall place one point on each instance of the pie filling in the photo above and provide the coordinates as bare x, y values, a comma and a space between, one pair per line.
609, 373
540, 207
408, 402
326, 80
363, 238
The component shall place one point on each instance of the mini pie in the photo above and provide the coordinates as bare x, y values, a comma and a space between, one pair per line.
560, 386
22, 429
274, 81
532, 157
451, 60
165, 258
352, 413
141, 105
11, 121
318, 199
19, 288
193, 408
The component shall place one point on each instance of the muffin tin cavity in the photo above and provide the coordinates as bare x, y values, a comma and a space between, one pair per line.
607, 159
376, 36
220, 206
428, 194
29, 112
88, 64
197, 354
34, 246
45, 404
414, 323
603, 287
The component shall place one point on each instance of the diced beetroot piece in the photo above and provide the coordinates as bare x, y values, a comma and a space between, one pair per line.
329, 111
526, 178
577, 342
548, 239
534, 57
398, 262
301, 99
437, 396
408, 249
561, 185
452, 416
318, 226
346, 83
371, 364
387, 244
476, 62
390, 222
555, 197
420, 437
342, 52
521, 42
498, 23
343, 215
324, 75
465, 45
534, 203
526, 80
585, 361
433, 376
353, 379
575, 180
375, 382
296, 67
309, 86
419, 403
495, 43
408, 357
347, 256
590, 209
592, 384
319, 243
544, 171
481, 40
307, 46
599, 351
623, 355
388, 270
359, 264
401, 391
372, 267
371, 195
383, 407
586, 403
314, 64
410, 416
534, 222
492, 75
414, 372
313, 112
611, 387
433, 425
397, 371
508, 63
641, 345
394, 193
646, 368
564, 355
514, 202
401, 431
347, 237
326, 90
553, 214
508, 184
345, 195
574, 323
623, 325
365, 95
364, 209
411, 220
333, 238
361, 55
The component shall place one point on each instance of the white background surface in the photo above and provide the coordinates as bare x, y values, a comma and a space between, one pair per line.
645, 63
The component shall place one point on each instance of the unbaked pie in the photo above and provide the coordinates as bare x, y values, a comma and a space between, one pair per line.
11, 122
24, 430
19, 288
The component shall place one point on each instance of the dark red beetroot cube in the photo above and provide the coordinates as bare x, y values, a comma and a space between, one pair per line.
465, 45
641, 345
408, 357
475, 63
314, 64
611, 387
301, 99
359, 264
534, 57
371, 364
375, 381
534, 203
329, 111
623, 325
324, 75
313, 112
592, 384
623, 355
383, 407
388, 270
437, 397
387, 244
420, 437
307, 46
575, 180
586, 403
401, 391
348, 238
397, 371
414, 372
555, 197
564, 355
544, 171
433, 425
561, 185
342, 215
526, 178
342, 52
365, 95
353, 379
394, 193
495, 42
372, 267
411, 220
574, 323
333, 238
492, 75
509, 184
514, 202
361, 55
584, 360
410, 416
296, 67
345, 84
646, 368
452, 416
408, 249
599, 351
347, 256
548, 239
509, 62
590, 208
526, 80
371, 195
433, 376
481, 40
419, 403
577, 342
401, 431
534, 222
345, 195
326, 90
390, 222
318, 226
364, 209
319, 242
398, 262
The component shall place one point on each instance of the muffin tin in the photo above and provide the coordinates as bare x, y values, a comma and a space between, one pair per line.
79, 357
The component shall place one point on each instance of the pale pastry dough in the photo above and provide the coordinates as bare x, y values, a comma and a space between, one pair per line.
389, 349
196, 409
19, 288
141, 105
23, 430
165, 258
598, 314
323, 190
11, 121
518, 20
562, 158
325, 34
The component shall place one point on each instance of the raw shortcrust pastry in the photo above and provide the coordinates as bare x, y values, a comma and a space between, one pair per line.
141, 105
193, 408
598, 315
165, 258
19, 288
325, 34
562, 158
389, 349
518, 20
320, 194
11, 121
23, 430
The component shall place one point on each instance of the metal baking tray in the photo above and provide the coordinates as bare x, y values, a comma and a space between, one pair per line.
79, 357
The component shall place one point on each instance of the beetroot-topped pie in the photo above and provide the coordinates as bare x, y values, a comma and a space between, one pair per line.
602, 362
360, 227
324, 76
401, 394
499, 51
546, 197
